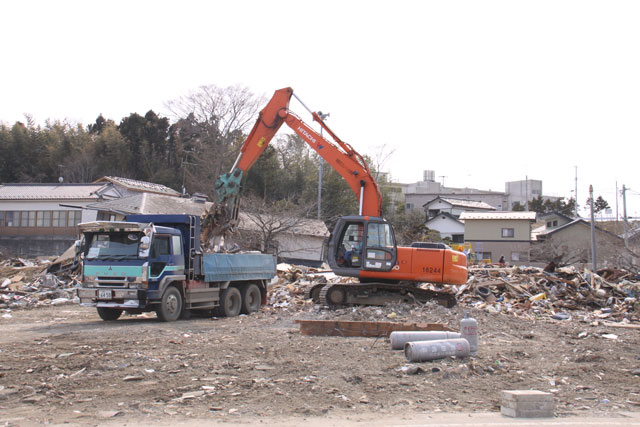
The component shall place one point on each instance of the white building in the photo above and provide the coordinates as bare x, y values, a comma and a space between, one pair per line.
522, 191
448, 225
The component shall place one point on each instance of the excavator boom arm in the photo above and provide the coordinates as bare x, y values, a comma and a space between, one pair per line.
340, 155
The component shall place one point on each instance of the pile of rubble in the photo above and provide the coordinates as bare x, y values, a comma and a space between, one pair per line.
607, 294
521, 291
26, 283
287, 291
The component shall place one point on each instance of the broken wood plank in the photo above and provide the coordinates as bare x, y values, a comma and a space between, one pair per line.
621, 325
345, 328
515, 287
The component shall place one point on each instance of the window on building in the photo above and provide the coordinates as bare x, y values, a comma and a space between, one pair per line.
508, 232
12, 219
483, 256
59, 218
28, 219
74, 218
519, 256
457, 238
2, 214
43, 219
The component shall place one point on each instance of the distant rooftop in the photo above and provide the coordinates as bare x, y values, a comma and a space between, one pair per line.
135, 185
531, 216
469, 204
309, 227
57, 191
151, 203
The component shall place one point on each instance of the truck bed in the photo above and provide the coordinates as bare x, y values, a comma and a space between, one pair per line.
223, 267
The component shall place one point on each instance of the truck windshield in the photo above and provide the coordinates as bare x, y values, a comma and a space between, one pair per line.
113, 246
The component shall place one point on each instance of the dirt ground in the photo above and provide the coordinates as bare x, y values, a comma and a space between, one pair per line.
63, 364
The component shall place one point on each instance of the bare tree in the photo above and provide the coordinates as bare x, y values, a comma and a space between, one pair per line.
211, 124
559, 253
611, 252
264, 221
81, 167
379, 159
225, 109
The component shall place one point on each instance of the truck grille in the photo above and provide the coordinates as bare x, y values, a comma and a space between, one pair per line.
111, 281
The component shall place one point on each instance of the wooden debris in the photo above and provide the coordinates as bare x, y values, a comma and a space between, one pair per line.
345, 328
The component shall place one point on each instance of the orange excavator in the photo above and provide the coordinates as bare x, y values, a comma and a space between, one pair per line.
362, 245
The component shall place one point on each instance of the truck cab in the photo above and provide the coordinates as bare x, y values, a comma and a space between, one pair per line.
127, 264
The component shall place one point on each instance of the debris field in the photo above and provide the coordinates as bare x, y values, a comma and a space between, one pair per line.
570, 332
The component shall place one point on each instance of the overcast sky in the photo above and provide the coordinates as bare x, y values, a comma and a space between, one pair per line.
482, 92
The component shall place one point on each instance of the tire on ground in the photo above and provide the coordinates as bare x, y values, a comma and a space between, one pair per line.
170, 307
251, 298
230, 302
109, 314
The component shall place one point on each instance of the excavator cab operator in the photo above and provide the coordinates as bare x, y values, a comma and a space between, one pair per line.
351, 244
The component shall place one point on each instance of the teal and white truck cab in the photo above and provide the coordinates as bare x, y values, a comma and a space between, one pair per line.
154, 263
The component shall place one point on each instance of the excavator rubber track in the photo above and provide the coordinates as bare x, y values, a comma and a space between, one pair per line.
336, 295
313, 293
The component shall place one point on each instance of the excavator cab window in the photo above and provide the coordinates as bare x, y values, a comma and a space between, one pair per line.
380, 251
366, 245
349, 253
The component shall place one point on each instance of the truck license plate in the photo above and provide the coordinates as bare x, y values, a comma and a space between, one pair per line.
104, 293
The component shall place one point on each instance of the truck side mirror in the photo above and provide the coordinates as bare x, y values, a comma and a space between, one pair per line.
143, 248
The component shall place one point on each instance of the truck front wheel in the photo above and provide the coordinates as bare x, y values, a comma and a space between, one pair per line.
109, 314
230, 302
251, 298
171, 305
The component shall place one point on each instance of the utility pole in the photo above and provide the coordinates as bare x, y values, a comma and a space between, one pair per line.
443, 177
593, 234
617, 216
526, 191
184, 168
624, 212
322, 117
576, 191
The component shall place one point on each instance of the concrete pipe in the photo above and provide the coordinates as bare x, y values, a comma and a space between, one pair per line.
400, 338
421, 351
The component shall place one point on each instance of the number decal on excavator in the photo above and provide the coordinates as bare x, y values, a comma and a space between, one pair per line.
431, 270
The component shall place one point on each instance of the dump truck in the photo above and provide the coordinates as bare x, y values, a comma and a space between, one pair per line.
155, 263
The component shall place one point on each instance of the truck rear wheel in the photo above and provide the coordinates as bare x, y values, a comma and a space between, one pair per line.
230, 302
109, 314
251, 298
171, 305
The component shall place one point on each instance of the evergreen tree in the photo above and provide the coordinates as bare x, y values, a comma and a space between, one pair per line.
517, 207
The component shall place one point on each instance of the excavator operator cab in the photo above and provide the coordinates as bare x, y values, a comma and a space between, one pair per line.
361, 243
